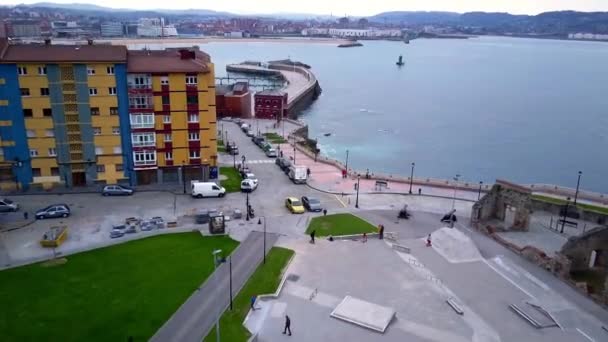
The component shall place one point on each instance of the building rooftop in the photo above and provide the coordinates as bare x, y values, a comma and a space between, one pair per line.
169, 60
24, 53
271, 93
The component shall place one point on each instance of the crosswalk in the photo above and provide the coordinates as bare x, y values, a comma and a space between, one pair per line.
261, 161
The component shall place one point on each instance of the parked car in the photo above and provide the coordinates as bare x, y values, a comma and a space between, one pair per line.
207, 189
244, 127
257, 139
266, 146
202, 216
115, 233
237, 121
55, 210
284, 164
116, 190
294, 205
297, 174
233, 150
8, 205
249, 133
312, 204
261, 142
271, 153
248, 185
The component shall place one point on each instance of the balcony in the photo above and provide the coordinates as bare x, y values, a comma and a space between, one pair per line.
140, 163
144, 144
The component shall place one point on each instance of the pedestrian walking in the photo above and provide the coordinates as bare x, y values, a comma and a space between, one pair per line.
344, 173
25, 215
307, 172
281, 153
287, 325
419, 191
252, 303
364, 238
324, 212
428, 241
381, 232
312, 237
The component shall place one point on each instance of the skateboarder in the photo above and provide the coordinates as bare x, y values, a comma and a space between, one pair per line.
287, 325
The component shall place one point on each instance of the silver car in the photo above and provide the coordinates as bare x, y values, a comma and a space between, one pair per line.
116, 190
8, 205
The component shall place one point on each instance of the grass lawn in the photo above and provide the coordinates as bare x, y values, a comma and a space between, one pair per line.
233, 181
264, 280
274, 138
109, 293
339, 224
602, 210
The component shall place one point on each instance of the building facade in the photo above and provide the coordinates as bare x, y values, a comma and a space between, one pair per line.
112, 29
83, 115
270, 104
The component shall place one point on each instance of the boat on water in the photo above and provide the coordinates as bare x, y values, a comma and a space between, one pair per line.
400, 61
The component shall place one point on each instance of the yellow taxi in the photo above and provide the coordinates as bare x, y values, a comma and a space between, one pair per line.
294, 205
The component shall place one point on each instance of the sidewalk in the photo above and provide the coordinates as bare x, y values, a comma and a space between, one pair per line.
195, 318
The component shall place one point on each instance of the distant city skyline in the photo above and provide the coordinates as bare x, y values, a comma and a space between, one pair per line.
353, 7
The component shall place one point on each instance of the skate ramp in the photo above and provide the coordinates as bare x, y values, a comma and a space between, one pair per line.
454, 246
365, 314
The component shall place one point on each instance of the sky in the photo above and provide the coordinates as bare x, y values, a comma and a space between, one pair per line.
352, 7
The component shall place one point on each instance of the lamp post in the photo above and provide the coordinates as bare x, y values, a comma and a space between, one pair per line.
184, 174
357, 200
454, 199
233, 159
217, 322
346, 165
565, 215
578, 183
226, 139
479, 193
247, 206
412, 177
264, 248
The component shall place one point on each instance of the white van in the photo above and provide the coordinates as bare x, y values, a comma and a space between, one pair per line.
207, 189
297, 174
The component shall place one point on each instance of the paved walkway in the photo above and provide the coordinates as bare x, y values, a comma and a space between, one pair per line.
195, 318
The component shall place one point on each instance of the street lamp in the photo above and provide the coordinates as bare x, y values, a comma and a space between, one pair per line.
346, 162
264, 250
217, 322
455, 182
357, 200
565, 214
412, 177
578, 183
184, 174
233, 158
479, 193
247, 206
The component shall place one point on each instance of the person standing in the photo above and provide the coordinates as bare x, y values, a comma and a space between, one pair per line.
287, 325
381, 232
312, 236
428, 241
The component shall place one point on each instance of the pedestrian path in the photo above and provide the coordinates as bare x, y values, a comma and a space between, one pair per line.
261, 161
195, 318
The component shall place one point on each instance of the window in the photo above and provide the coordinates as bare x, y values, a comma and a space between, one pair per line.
143, 139
41, 70
168, 137
169, 155
44, 91
142, 120
193, 136
47, 112
94, 110
28, 113
112, 90
194, 154
110, 70
191, 99
113, 110
98, 151
33, 153
193, 118
119, 167
144, 158
54, 171
164, 80
92, 91
140, 102
30, 133
52, 152
117, 150
96, 130
191, 80
101, 168
139, 81
90, 71
167, 119
22, 70
49, 133
25, 91
36, 172
166, 100
116, 130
